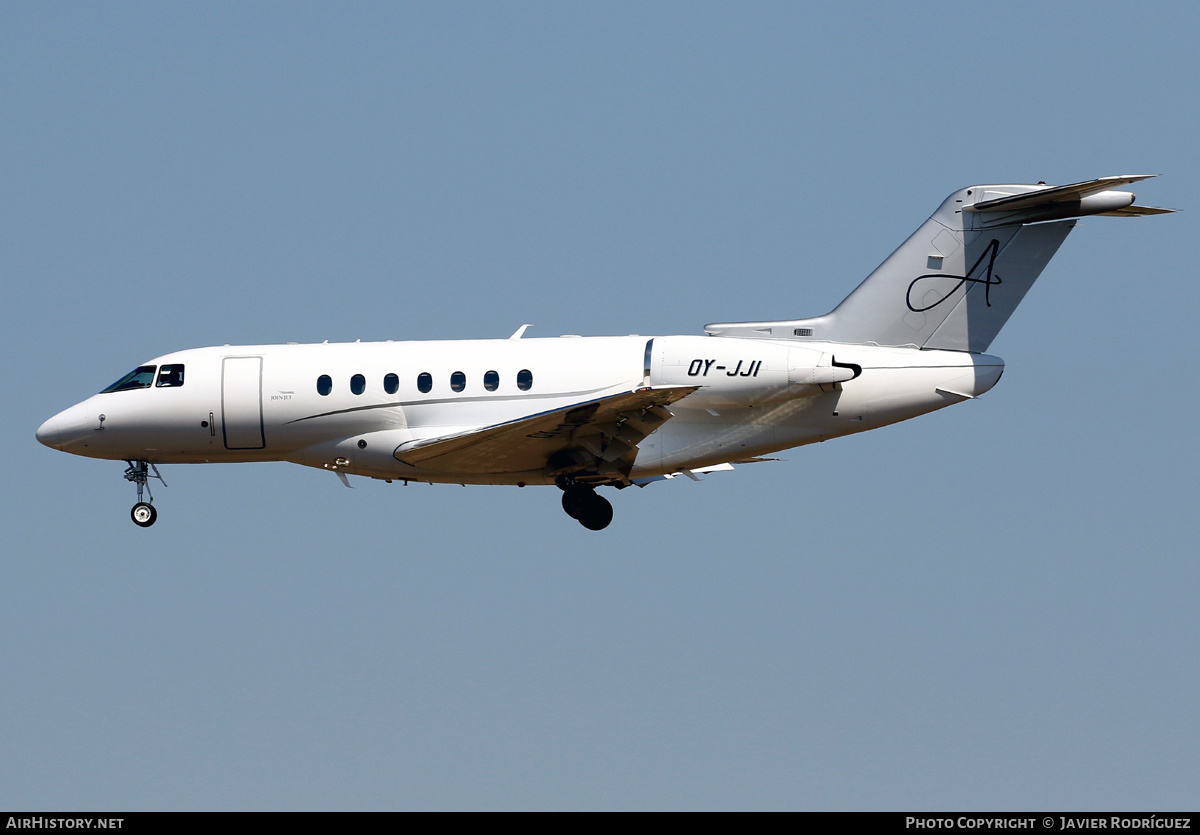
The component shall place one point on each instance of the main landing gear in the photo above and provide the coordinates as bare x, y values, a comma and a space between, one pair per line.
582, 504
143, 513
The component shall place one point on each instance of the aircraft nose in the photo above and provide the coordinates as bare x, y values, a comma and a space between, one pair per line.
64, 429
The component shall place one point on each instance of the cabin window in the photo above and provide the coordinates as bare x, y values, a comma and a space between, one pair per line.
424, 382
491, 381
324, 385
170, 376
524, 379
358, 384
458, 381
391, 383
141, 377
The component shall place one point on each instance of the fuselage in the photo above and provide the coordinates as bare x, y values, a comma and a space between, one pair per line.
350, 406
583, 413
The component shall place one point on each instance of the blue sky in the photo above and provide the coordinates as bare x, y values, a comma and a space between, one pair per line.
991, 607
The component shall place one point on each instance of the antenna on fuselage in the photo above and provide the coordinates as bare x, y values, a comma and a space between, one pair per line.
520, 332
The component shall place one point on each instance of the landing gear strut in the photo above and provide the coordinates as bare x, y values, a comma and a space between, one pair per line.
143, 513
582, 504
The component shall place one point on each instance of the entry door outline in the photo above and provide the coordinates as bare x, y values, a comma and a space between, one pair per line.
241, 403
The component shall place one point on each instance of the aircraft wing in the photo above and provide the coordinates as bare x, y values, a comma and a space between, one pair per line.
594, 436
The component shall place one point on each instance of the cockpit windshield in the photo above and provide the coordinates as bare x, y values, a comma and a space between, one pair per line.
141, 377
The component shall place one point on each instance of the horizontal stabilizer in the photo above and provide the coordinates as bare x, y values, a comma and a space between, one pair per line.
1138, 211
1054, 194
591, 428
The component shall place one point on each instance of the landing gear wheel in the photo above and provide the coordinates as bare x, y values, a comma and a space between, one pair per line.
574, 499
143, 514
583, 505
596, 513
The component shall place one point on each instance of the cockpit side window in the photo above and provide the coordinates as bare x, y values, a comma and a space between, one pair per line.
170, 376
141, 377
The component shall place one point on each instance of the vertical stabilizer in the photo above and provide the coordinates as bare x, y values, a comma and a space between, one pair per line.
953, 284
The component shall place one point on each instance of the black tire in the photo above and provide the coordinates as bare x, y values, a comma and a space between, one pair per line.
143, 515
575, 499
596, 514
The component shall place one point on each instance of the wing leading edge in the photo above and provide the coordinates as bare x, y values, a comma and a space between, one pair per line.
594, 438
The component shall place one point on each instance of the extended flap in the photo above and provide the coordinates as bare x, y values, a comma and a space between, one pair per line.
527, 443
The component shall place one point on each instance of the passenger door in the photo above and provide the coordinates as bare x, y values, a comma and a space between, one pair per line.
241, 403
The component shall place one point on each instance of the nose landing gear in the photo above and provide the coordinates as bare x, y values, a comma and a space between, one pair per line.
583, 505
143, 514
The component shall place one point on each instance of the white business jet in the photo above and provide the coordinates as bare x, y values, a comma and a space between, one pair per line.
582, 413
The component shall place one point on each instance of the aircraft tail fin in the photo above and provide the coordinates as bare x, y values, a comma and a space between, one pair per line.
956, 280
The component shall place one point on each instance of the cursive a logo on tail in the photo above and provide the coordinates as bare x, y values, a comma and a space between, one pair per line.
987, 280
